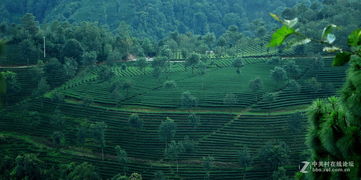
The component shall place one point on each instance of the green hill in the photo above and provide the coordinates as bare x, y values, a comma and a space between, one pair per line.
224, 128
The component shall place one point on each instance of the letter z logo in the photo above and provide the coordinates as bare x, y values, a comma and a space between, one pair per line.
304, 168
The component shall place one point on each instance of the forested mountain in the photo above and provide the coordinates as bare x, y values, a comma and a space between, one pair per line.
152, 17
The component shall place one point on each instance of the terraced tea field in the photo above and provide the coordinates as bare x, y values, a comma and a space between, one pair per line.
224, 128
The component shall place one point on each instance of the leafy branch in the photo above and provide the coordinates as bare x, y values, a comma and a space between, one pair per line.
327, 38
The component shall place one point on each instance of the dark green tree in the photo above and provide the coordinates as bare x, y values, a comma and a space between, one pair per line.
42, 88
292, 69
208, 165
159, 65
188, 100
194, 120
159, 175
54, 72
29, 24
312, 85
12, 86
58, 139
279, 74
135, 176
294, 123
173, 150
57, 119
6, 165
126, 86
98, 133
170, 84
294, 86
192, 61
122, 157
167, 130
135, 121
274, 154
105, 74
238, 64
73, 49
280, 174
82, 134
189, 145
269, 98
256, 86
28, 166
89, 58
81, 171
70, 67
244, 159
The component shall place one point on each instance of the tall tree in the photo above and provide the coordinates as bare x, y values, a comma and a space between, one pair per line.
122, 157
29, 24
292, 69
173, 150
256, 86
135, 121
192, 61
89, 58
73, 49
279, 74
274, 154
188, 100
194, 120
167, 130
244, 160
208, 163
81, 171
98, 131
269, 98
28, 166
54, 72
238, 64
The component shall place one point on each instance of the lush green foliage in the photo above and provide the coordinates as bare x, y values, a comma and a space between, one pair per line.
152, 18
334, 124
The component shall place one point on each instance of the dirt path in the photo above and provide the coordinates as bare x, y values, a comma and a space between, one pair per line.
18, 67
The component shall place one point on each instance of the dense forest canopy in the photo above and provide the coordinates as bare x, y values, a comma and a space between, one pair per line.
230, 29
154, 18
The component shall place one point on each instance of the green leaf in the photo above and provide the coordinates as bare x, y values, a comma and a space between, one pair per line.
280, 35
327, 30
341, 58
354, 39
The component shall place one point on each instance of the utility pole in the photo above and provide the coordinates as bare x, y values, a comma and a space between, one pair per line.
44, 47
